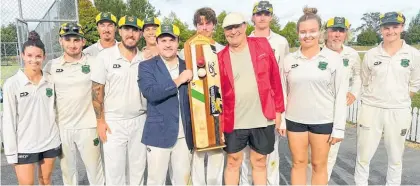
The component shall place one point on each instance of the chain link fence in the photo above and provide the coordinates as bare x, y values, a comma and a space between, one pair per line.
43, 16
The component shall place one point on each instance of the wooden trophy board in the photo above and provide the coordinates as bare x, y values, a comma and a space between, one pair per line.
204, 93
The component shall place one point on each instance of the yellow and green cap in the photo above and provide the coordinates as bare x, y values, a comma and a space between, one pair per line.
130, 21
338, 22
262, 6
106, 16
170, 29
391, 18
71, 29
151, 21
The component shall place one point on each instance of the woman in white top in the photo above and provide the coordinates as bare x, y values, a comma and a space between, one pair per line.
316, 86
29, 130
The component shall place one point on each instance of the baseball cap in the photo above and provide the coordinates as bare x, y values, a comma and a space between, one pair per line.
130, 21
170, 29
71, 29
106, 16
151, 21
338, 22
391, 18
233, 18
262, 6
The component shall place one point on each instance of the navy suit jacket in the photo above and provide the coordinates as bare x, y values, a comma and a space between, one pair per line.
162, 122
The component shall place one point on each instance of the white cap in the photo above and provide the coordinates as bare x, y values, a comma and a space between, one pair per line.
233, 18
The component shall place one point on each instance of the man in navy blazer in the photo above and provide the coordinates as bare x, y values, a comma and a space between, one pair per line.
167, 132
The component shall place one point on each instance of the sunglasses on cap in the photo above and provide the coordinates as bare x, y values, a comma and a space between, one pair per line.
74, 29
233, 26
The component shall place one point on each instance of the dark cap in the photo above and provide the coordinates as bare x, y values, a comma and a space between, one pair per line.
71, 29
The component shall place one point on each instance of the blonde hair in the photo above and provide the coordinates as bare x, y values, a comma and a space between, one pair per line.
309, 14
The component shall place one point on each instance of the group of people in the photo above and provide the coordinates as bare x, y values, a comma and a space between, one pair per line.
124, 109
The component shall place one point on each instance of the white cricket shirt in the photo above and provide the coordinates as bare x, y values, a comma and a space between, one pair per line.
73, 89
388, 80
316, 89
123, 99
94, 49
29, 117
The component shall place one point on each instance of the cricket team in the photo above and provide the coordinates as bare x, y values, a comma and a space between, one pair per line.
126, 109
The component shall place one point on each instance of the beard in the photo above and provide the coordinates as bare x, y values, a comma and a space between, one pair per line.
130, 47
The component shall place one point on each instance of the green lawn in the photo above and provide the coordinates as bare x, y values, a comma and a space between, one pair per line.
7, 71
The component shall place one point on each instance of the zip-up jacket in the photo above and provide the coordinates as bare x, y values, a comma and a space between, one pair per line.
268, 79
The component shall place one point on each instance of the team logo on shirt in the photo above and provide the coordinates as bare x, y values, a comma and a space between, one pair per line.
322, 65
96, 141
377, 63
49, 92
85, 69
59, 70
346, 62
295, 65
23, 94
405, 62
116, 66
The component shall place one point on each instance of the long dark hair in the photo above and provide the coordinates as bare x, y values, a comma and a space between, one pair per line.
33, 40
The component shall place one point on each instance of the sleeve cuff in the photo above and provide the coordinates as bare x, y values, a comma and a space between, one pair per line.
98, 80
337, 133
12, 159
413, 89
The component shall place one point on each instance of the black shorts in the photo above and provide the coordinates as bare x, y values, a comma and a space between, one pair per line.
260, 140
28, 158
312, 128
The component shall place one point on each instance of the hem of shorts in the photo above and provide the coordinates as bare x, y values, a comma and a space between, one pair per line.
310, 122
39, 151
258, 151
235, 151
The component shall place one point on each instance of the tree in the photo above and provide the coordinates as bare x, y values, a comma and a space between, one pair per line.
412, 35
371, 21
290, 33
134, 7
275, 25
116, 7
219, 35
185, 33
367, 37
87, 14
8, 34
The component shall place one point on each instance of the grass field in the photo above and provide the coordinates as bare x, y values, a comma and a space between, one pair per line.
8, 71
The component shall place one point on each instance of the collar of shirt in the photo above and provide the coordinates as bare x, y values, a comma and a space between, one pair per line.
299, 54
403, 49
268, 37
82, 60
118, 56
100, 47
23, 79
168, 66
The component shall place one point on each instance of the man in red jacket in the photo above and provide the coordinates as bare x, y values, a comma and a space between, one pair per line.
252, 99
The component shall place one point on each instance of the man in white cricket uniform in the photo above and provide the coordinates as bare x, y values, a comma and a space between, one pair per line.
106, 24
262, 15
336, 34
205, 21
390, 75
119, 107
167, 131
75, 115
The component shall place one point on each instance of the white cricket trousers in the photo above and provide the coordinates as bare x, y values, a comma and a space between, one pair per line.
273, 165
215, 166
372, 122
332, 158
87, 142
176, 158
125, 137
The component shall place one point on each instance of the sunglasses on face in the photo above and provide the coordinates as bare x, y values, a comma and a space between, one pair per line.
233, 26
342, 30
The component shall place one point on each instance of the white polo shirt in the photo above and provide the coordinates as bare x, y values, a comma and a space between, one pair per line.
94, 49
29, 117
351, 61
316, 89
388, 80
279, 45
122, 99
73, 89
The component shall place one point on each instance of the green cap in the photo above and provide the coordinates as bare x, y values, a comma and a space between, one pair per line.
130, 21
391, 18
71, 29
338, 22
151, 21
262, 6
170, 29
106, 16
